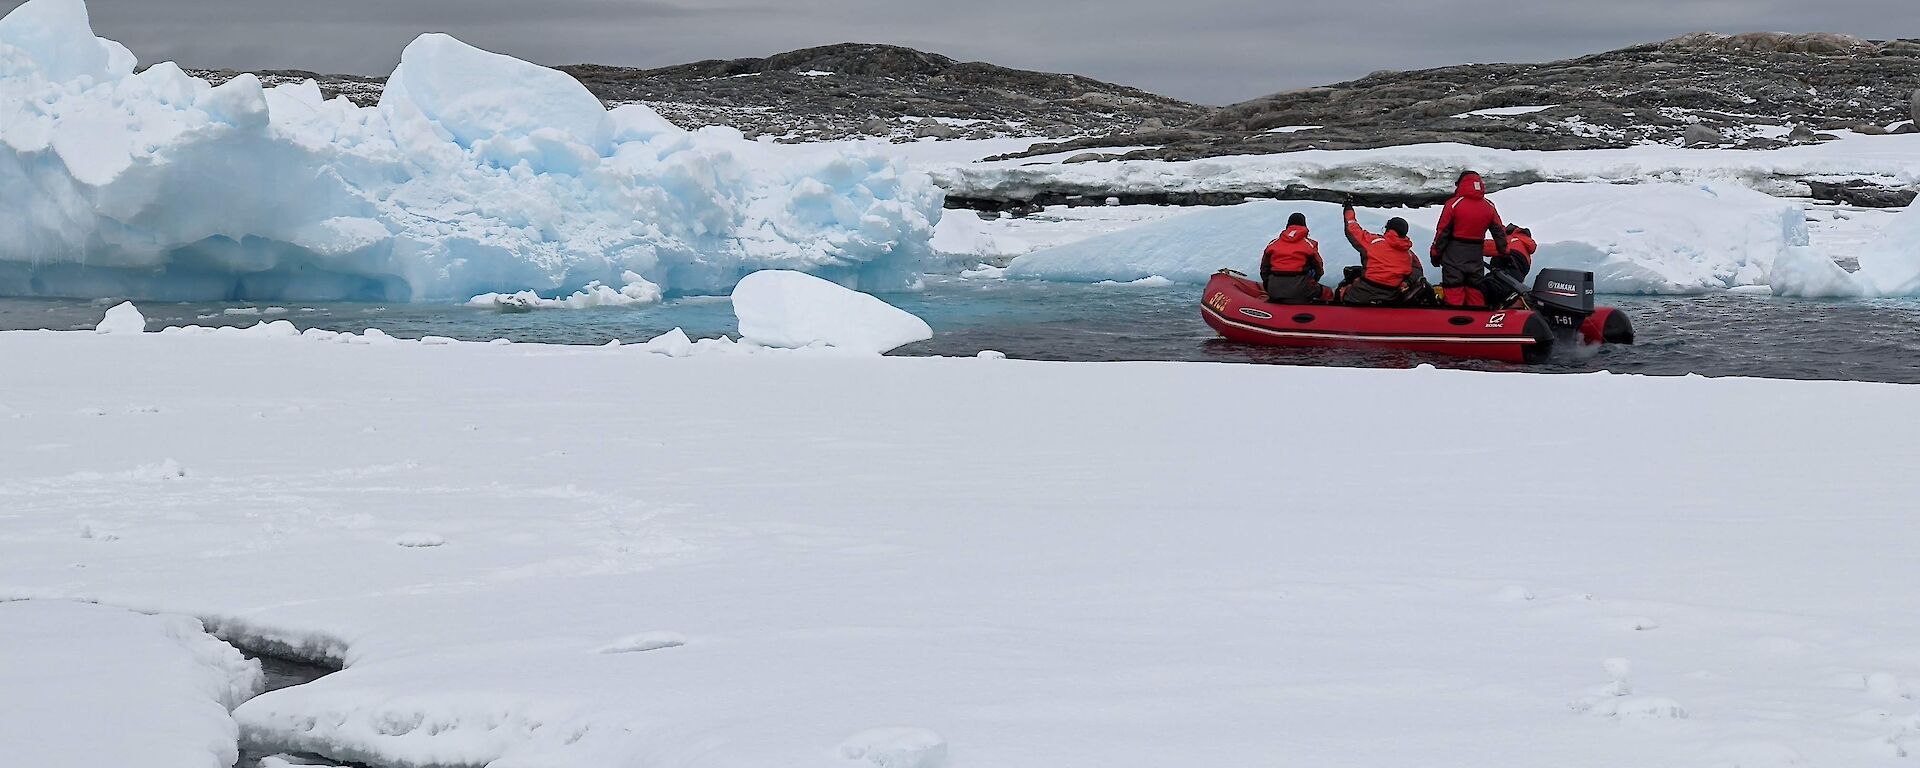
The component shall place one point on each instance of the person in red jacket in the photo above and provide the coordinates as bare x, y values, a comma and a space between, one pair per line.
1515, 263
1291, 268
1518, 260
1467, 223
1390, 273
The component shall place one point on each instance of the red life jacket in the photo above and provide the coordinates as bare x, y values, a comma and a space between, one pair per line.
1388, 256
1469, 216
1293, 253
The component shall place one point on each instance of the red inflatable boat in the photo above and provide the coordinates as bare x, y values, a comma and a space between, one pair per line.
1237, 308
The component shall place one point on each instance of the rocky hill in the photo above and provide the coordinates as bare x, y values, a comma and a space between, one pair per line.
1752, 90
1757, 90
851, 89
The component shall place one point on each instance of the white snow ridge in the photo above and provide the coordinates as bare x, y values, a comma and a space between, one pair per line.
476, 173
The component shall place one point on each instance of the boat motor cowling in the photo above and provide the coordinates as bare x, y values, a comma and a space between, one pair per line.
1564, 297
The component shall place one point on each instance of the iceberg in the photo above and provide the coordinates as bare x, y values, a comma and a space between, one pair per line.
1658, 238
1638, 239
476, 173
1889, 267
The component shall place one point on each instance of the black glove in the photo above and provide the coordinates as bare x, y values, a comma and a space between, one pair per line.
1346, 202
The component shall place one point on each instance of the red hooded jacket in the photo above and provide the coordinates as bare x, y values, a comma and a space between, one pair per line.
1293, 253
1388, 256
1469, 217
1520, 248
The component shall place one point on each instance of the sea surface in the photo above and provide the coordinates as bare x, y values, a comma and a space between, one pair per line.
1711, 335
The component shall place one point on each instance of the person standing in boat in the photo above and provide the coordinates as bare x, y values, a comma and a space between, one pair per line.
1291, 267
1389, 272
1468, 223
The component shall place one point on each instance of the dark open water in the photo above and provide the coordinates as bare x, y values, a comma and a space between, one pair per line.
1712, 335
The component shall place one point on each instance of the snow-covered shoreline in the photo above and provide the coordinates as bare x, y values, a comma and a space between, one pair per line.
1429, 169
863, 564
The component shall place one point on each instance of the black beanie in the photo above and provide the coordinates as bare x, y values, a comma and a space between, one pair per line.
1397, 226
1297, 220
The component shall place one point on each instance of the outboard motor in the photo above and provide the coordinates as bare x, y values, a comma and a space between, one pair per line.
1565, 298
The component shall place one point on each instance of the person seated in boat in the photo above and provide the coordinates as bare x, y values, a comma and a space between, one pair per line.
1468, 224
1291, 267
1515, 263
1389, 272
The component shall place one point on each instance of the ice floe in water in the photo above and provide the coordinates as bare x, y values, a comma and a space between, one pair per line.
476, 173
780, 308
1647, 238
1658, 238
1889, 266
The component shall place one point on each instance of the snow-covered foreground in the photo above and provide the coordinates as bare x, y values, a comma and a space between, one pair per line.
90, 686
533, 555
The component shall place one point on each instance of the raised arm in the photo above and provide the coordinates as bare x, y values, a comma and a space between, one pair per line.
1357, 236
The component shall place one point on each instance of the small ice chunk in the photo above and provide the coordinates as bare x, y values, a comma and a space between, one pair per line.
673, 343
645, 641
1641, 707
990, 354
122, 318
637, 291
419, 539
897, 747
1150, 281
782, 308
1639, 623
1881, 685
165, 470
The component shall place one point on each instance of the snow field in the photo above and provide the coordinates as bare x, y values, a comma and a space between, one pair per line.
864, 576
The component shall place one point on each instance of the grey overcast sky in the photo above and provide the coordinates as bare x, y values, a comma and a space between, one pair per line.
1211, 51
